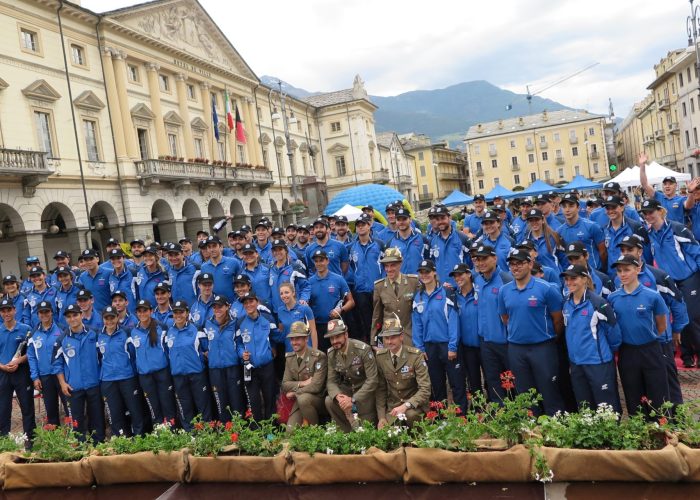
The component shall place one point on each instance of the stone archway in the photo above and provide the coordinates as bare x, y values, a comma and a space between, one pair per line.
238, 213
216, 213
13, 241
255, 210
164, 227
105, 224
192, 218
60, 231
276, 216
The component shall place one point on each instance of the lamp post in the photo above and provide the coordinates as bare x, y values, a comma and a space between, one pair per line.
290, 153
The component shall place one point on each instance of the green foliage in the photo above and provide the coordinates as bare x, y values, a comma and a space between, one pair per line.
685, 421
12, 442
328, 439
600, 429
164, 438
512, 421
447, 429
58, 443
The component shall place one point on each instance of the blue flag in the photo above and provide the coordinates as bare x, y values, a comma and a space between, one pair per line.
215, 118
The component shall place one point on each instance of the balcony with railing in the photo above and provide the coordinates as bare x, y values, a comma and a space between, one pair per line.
573, 139
515, 167
668, 160
180, 174
543, 145
425, 196
673, 128
405, 182
32, 167
529, 146
479, 172
648, 139
659, 134
381, 176
493, 152
559, 160
595, 155
664, 103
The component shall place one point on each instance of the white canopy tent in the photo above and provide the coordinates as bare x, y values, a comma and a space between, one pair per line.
352, 213
655, 173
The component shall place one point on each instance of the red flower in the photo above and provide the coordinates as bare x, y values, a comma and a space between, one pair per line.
507, 380
431, 415
645, 400
458, 410
663, 421
49, 427
172, 421
248, 413
75, 424
198, 426
234, 437
530, 414
229, 426
212, 424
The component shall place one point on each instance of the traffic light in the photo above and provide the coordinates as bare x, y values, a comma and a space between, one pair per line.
613, 169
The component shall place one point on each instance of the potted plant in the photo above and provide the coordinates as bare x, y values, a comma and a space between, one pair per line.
324, 454
240, 450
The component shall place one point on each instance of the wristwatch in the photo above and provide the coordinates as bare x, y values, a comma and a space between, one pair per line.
408, 404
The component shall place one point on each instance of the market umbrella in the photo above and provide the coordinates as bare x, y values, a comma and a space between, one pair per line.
581, 183
537, 187
457, 197
500, 191
352, 213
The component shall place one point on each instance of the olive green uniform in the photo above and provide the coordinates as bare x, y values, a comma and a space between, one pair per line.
388, 302
309, 400
408, 382
354, 374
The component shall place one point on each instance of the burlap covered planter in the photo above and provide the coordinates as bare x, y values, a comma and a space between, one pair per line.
145, 467
47, 475
374, 466
4, 458
239, 469
691, 457
432, 466
616, 465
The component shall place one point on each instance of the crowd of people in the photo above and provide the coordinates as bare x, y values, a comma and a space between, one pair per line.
556, 293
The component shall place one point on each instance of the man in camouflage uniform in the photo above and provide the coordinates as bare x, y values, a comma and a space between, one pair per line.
403, 391
352, 379
393, 296
304, 378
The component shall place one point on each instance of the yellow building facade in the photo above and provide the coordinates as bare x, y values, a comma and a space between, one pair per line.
553, 146
106, 130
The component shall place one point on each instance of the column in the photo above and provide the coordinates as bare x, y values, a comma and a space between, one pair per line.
181, 85
114, 104
253, 132
118, 58
32, 243
249, 127
209, 134
154, 92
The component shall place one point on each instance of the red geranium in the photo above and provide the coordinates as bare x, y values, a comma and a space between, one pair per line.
229, 426
234, 437
199, 426
431, 415
508, 380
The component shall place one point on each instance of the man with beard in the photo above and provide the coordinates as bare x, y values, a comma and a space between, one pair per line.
413, 246
336, 251
472, 223
302, 243
290, 234
137, 248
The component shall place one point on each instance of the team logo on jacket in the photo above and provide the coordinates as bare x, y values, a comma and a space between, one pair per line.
532, 301
210, 334
138, 279
101, 347
318, 366
59, 303
136, 341
32, 302
331, 289
37, 343
70, 353
419, 307
170, 341
196, 316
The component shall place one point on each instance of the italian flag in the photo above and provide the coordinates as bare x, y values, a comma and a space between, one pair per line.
229, 113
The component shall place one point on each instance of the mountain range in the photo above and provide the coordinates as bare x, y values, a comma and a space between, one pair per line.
443, 113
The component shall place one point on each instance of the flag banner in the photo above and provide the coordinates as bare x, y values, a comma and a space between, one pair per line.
215, 118
240, 133
229, 114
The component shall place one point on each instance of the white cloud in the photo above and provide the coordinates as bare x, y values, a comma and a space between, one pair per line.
410, 45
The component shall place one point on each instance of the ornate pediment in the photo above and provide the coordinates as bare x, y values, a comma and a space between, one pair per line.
186, 26
88, 100
198, 124
172, 118
40, 89
142, 111
265, 139
337, 148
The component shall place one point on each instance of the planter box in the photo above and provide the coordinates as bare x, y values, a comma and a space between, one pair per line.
5, 458
432, 466
691, 457
239, 469
145, 467
47, 475
665, 465
374, 466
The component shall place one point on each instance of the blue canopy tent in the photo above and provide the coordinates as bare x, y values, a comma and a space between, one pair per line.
537, 187
369, 194
581, 183
457, 197
499, 192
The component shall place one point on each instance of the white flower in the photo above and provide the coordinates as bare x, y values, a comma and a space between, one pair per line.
362, 451
354, 416
546, 478
360, 429
329, 451
401, 416
19, 439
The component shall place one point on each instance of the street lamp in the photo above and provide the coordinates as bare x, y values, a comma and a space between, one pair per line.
290, 152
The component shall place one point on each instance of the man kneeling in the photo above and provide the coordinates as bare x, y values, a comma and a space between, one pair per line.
403, 392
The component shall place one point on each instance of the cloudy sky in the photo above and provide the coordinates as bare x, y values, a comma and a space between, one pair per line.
320, 45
